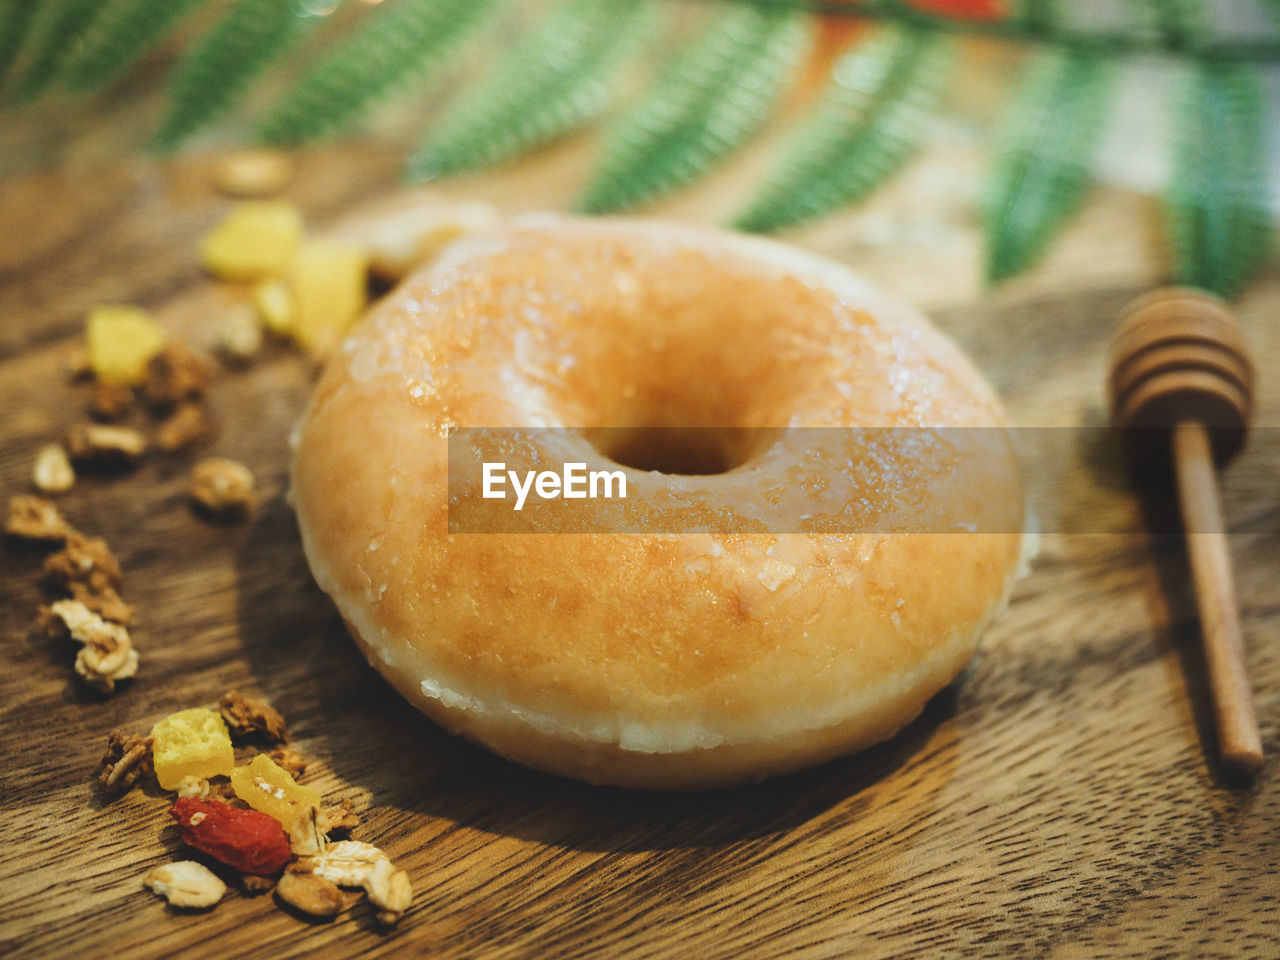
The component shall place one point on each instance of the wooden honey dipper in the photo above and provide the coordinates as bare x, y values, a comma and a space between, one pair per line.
1181, 387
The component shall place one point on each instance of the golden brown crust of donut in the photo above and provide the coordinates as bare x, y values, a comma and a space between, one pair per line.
656, 660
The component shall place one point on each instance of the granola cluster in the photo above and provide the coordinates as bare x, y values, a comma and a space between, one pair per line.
253, 817
86, 574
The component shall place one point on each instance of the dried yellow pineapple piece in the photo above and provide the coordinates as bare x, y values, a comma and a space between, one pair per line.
191, 743
120, 340
328, 292
274, 300
256, 241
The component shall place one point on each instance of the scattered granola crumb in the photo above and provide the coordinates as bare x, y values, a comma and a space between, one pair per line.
290, 761
51, 472
187, 425
339, 818
175, 375
95, 442
190, 786
106, 603
247, 715
127, 758
107, 654
110, 401
237, 335
222, 487
253, 173
225, 791
310, 893
75, 365
186, 884
255, 884
35, 518
389, 891
86, 561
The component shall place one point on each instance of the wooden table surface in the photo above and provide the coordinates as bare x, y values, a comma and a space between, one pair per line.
1056, 801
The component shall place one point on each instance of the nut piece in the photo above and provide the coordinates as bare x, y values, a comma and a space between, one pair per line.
184, 427
75, 365
191, 786
247, 715
344, 862
106, 603
341, 818
290, 761
310, 893
389, 891
110, 401
222, 487
254, 884
186, 884
35, 518
86, 561
52, 473
127, 758
98, 443
253, 173
175, 375
237, 335
107, 654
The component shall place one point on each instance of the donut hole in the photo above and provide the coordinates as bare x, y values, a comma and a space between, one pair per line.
684, 451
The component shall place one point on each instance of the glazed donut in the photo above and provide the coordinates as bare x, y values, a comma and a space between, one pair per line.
665, 658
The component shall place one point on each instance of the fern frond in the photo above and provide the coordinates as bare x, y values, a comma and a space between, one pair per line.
397, 41
15, 20
1042, 167
868, 122
1041, 16
61, 25
1217, 200
552, 81
222, 63
124, 32
1178, 23
717, 94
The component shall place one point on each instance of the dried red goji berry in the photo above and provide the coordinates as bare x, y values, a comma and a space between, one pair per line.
247, 840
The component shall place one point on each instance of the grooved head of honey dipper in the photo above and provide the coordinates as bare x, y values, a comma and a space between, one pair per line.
1178, 355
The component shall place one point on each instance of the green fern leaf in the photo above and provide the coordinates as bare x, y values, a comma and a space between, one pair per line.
1178, 23
1042, 167
124, 32
222, 63
1042, 16
868, 122
399, 40
1217, 200
554, 80
15, 20
718, 92
61, 25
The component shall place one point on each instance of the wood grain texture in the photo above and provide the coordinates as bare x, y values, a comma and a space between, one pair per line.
1056, 801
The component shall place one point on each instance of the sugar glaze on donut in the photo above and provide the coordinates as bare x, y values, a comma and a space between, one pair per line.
664, 660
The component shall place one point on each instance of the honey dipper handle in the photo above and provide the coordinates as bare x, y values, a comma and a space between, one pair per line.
1238, 742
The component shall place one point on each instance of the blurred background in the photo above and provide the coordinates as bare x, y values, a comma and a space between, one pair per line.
1177, 98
